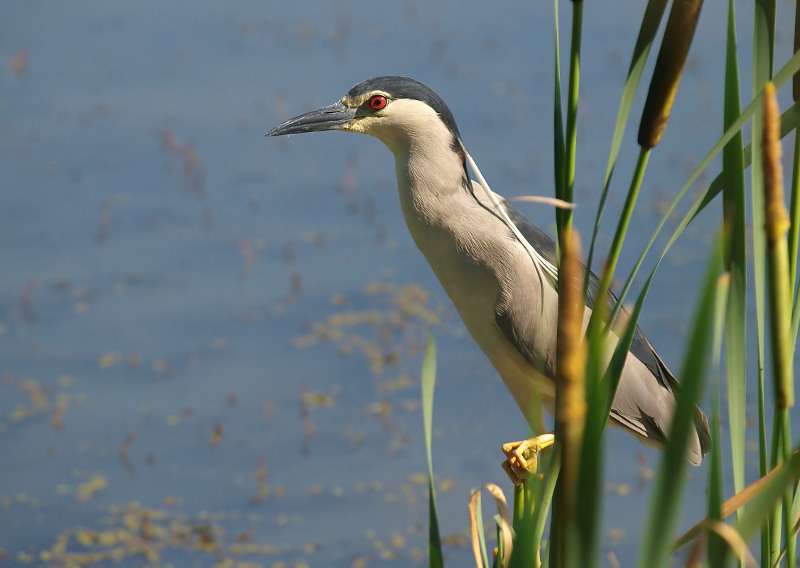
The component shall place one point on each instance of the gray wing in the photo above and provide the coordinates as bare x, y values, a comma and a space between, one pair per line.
640, 345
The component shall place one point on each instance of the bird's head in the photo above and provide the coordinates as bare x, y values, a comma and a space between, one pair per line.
393, 109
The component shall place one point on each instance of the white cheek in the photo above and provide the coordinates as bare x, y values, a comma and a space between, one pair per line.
404, 120
410, 110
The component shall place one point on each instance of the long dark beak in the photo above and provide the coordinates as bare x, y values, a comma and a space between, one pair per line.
332, 117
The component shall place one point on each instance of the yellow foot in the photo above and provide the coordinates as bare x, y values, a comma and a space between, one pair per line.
522, 458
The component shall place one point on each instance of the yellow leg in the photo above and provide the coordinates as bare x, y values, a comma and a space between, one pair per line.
522, 458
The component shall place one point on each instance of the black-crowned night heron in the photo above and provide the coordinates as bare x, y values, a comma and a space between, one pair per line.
495, 281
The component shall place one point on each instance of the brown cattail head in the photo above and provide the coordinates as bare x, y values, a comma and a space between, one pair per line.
776, 226
571, 349
667, 74
777, 218
570, 382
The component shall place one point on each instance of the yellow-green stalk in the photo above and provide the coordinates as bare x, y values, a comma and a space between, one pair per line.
796, 77
570, 412
776, 226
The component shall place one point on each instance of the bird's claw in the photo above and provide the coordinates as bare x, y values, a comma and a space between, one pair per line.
522, 458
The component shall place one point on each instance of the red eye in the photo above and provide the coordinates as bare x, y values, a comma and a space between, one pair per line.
377, 102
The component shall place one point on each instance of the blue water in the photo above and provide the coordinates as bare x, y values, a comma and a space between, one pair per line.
164, 267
